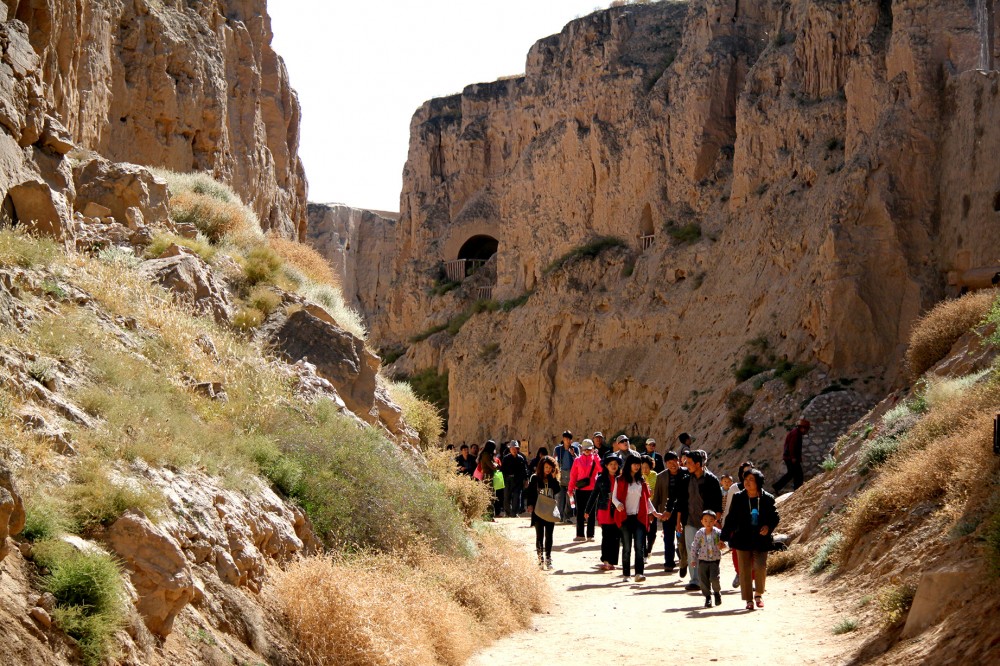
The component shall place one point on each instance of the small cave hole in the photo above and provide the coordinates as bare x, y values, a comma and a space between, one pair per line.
967, 204
8, 214
996, 202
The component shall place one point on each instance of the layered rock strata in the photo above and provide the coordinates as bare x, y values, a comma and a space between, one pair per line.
805, 173
190, 86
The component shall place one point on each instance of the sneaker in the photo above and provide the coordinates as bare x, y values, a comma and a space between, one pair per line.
590, 538
548, 564
691, 587
736, 581
718, 598
579, 538
640, 578
683, 572
625, 579
708, 602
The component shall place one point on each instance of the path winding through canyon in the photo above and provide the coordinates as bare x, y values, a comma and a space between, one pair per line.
595, 618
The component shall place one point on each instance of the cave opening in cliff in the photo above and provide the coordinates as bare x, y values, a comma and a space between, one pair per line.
8, 214
479, 248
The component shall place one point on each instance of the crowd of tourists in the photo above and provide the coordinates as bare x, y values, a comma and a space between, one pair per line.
631, 496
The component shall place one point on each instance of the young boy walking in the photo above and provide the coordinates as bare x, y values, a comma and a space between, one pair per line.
706, 551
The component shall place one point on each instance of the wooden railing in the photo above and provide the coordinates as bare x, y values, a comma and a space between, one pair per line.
458, 269
484, 293
646, 242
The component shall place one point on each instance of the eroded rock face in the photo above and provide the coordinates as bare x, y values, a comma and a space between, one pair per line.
191, 87
187, 275
157, 567
831, 160
11, 510
338, 356
119, 188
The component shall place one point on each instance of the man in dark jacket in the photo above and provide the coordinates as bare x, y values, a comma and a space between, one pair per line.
466, 463
669, 501
515, 474
704, 492
792, 457
657, 458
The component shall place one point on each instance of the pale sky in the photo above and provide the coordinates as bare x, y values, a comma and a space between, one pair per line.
362, 68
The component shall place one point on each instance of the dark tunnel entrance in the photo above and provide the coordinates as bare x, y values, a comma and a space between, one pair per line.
479, 248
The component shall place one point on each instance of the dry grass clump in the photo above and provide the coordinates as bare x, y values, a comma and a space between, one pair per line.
26, 251
784, 560
472, 497
199, 245
306, 259
936, 332
211, 216
419, 414
351, 610
945, 458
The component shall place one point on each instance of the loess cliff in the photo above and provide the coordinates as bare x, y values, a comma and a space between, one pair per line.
710, 216
189, 86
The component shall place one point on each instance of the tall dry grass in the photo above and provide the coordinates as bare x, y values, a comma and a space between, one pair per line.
419, 609
946, 457
420, 414
472, 497
936, 332
306, 259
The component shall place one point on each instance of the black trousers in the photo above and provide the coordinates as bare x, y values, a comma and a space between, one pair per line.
611, 543
650, 536
669, 533
633, 541
582, 498
794, 474
543, 536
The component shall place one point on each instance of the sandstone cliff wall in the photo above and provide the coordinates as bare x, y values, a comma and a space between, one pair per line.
183, 85
827, 159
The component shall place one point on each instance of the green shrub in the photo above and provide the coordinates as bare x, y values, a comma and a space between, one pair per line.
991, 543
489, 352
90, 596
52, 288
685, 234
26, 251
118, 256
392, 354
419, 414
829, 463
359, 490
444, 287
331, 298
432, 387
751, 366
199, 245
42, 370
261, 264
98, 500
824, 557
45, 518
738, 403
265, 300
590, 250
791, 373
894, 601
198, 182
433, 330
845, 626
742, 439
877, 452
515, 302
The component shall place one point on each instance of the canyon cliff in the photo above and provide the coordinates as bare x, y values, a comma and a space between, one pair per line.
188, 86
789, 186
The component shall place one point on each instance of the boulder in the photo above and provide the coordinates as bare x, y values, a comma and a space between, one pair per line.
339, 357
157, 567
11, 510
118, 186
40, 209
187, 275
55, 137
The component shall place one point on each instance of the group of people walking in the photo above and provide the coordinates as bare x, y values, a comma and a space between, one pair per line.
631, 496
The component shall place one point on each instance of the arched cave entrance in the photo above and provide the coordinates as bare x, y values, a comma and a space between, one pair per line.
479, 248
8, 214
646, 221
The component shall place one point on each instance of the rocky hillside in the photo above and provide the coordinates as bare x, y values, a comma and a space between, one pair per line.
706, 216
189, 86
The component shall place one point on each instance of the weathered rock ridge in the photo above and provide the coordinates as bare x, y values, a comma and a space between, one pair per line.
805, 173
190, 86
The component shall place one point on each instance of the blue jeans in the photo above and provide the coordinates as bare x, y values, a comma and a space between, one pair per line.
689, 532
633, 539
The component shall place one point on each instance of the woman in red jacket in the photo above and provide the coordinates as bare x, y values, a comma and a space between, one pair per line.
632, 515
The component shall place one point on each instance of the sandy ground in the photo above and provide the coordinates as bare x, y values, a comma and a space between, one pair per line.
595, 618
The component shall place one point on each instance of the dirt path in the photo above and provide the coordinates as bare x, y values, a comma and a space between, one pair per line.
658, 622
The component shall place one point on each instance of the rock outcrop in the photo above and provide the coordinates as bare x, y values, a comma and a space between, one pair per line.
186, 86
805, 171
188, 276
11, 510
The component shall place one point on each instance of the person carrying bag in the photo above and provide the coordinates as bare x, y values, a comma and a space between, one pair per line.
540, 496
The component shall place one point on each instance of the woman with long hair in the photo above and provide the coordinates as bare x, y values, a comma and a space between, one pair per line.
484, 472
600, 501
634, 508
749, 530
745, 468
545, 482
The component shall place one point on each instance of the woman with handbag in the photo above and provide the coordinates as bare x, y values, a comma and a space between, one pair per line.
540, 496
486, 471
600, 502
